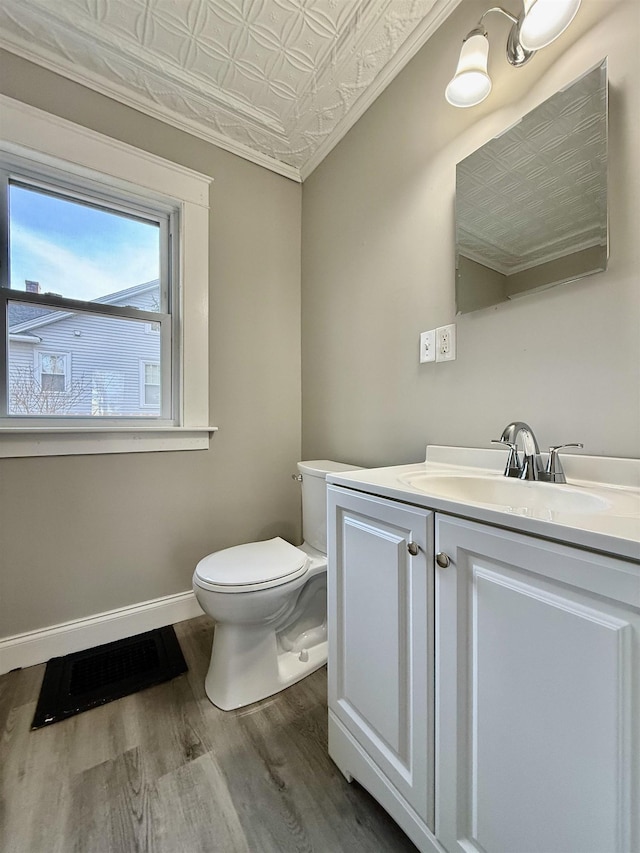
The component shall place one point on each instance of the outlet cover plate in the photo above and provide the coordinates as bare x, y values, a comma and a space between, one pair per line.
446, 343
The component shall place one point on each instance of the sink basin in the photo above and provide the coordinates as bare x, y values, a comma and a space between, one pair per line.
523, 497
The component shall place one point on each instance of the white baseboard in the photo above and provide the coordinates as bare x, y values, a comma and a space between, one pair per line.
38, 646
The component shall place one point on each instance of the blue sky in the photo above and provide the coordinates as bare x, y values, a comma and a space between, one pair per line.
77, 251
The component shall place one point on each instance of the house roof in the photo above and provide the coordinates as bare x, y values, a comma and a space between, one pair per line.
23, 312
24, 316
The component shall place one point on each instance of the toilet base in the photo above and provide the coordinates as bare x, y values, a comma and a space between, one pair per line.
247, 665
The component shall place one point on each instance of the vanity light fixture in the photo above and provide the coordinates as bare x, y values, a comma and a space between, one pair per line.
539, 23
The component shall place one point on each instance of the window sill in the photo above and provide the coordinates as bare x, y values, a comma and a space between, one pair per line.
76, 441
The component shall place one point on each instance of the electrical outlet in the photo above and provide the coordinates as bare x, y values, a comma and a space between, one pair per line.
446, 343
428, 346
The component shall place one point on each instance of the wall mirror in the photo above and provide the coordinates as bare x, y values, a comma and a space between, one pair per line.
531, 204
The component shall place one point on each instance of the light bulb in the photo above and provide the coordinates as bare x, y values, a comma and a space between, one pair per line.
545, 20
470, 84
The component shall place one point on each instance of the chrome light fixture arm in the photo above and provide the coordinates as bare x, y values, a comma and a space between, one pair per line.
517, 55
504, 12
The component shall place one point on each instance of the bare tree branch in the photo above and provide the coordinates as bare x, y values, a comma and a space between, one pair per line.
27, 396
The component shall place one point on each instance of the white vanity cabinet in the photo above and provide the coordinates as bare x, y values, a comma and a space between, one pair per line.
492, 705
381, 633
538, 656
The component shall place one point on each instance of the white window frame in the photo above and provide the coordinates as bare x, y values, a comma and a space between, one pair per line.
48, 142
38, 356
143, 383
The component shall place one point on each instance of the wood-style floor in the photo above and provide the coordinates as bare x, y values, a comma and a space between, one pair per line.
164, 771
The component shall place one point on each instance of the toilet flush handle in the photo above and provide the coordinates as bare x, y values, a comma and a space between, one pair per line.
297, 477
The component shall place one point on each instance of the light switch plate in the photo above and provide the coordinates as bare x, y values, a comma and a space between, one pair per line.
427, 346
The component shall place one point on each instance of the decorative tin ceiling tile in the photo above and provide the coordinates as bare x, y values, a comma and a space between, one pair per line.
277, 81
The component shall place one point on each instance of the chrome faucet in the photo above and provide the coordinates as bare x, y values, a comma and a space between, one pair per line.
531, 466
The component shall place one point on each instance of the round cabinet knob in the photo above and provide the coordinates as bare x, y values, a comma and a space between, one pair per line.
442, 560
413, 549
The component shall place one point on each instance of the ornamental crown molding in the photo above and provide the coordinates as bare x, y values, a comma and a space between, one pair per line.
278, 82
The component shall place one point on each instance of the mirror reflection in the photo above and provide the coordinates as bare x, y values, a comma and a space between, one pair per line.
531, 204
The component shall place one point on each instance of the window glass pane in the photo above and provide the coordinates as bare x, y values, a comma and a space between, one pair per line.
80, 251
52, 363
81, 364
151, 384
152, 395
51, 383
152, 374
107, 392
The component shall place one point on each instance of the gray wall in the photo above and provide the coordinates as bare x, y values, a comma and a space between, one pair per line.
82, 535
379, 264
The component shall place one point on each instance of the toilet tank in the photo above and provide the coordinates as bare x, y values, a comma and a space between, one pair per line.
314, 499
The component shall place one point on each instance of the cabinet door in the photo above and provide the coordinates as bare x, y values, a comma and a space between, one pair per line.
381, 636
538, 739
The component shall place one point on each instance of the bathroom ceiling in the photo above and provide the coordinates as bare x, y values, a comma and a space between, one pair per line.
278, 82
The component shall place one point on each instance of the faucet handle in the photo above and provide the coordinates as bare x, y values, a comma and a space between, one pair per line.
513, 467
554, 470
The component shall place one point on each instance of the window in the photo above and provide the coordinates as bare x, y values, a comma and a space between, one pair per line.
97, 254
150, 384
53, 372
91, 272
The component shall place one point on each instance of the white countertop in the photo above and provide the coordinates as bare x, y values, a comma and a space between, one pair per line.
615, 531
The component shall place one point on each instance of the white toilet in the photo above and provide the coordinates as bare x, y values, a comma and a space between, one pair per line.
269, 602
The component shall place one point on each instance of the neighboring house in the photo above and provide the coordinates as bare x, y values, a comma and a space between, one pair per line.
74, 363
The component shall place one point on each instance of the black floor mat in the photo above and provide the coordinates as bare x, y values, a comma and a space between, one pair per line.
84, 680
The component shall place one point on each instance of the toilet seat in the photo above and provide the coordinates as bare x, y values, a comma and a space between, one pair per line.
254, 566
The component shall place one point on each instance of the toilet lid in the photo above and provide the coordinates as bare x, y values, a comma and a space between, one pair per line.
264, 564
